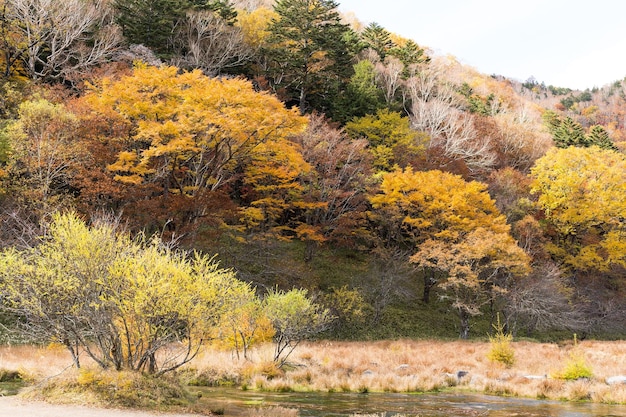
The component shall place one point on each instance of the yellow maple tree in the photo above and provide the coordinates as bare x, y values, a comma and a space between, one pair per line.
271, 178
436, 204
582, 192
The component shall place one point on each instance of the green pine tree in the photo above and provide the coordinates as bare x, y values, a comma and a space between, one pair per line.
569, 133
551, 120
378, 38
150, 22
410, 53
310, 53
362, 95
598, 136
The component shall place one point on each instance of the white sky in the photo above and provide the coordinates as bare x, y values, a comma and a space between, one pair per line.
566, 43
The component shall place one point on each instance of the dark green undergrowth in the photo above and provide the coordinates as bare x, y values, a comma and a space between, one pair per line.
391, 292
11, 382
7, 375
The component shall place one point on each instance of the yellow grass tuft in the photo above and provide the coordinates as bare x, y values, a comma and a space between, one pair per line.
500, 350
579, 390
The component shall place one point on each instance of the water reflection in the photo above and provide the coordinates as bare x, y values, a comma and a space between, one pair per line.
235, 403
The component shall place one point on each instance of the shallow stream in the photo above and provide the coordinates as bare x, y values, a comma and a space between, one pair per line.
233, 403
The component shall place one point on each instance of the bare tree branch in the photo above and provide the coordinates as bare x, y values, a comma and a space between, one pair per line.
206, 41
63, 39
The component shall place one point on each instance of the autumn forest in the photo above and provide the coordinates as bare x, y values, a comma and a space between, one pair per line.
404, 193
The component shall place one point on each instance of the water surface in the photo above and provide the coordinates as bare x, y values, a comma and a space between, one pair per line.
235, 402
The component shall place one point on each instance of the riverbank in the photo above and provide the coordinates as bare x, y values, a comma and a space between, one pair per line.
384, 366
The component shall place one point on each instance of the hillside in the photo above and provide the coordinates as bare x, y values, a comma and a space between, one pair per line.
413, 195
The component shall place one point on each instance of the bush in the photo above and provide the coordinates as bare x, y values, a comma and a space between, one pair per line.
10, 376
500, 346
295, 318
127, 304
576, 366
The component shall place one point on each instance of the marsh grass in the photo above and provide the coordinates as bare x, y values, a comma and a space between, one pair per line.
431, 366
375, 415
384, 366
33, 362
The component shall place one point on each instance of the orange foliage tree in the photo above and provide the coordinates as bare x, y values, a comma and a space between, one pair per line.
461, 236
188, 137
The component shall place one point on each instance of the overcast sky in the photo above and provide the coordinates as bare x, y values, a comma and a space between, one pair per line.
566, 43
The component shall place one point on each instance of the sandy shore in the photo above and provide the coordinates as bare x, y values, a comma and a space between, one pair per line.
14, 407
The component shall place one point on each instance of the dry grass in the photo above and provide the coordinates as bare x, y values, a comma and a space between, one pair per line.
388, 366
35, 362
374, 415
54, 378
427, 366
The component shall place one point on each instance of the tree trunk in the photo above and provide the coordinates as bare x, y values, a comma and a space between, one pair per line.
117, 355
429, 283
73, 352
309, 250
302, 101
152, 364
464, 324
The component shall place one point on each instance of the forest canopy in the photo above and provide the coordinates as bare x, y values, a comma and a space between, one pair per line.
322, 162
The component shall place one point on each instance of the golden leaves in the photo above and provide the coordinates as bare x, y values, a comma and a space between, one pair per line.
457, 230
437, 204
187, 120
583, 194
82, 281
